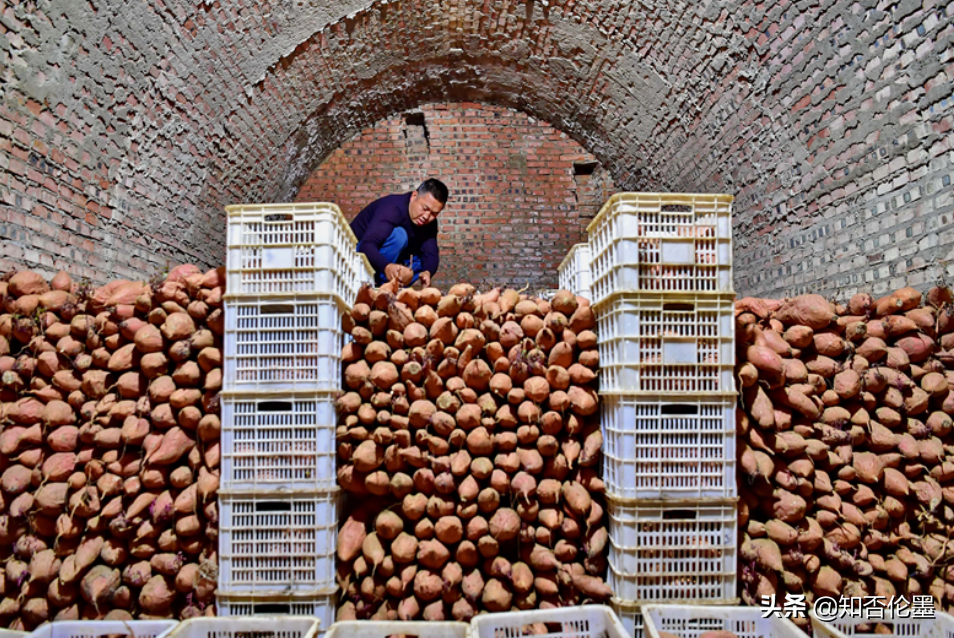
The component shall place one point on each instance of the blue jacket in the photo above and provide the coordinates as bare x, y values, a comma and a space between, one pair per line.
374, 225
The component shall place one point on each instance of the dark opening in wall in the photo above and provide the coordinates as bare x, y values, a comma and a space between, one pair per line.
417, 119
414, 119
584, 168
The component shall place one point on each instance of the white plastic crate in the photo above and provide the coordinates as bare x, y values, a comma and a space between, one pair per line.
669, 448
584, 621
673, 552
364, 272
290, 248
663, 242
94, 628
691, 621
574, 271
253, 627
941, 626
666, 343
278, 442
283, 343
386, 628
277, 543
321, 605
630, 616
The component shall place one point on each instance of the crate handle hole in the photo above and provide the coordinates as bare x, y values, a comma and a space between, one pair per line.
676, 208
272, 506
679, 409
679, 307
681, 515
273, 608
275, 406
278, 309
279, 217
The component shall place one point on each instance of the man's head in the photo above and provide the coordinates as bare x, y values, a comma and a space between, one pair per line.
427, 201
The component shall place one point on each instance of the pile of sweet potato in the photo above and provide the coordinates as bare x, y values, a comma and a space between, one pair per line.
470, 436
846, 452
109, 449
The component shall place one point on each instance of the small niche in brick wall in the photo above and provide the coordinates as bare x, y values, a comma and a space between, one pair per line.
414, 119
584, 168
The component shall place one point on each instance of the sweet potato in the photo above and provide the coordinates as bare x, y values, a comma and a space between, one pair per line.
496, 595
372, 550
368, 456
847, 384
764, 359
175, 443
501, 384
788, 507
810, 310
432, 554
157, 596
583, 401
765, 552
52, 497
577, 498
427, 585
404, 548
479, 442
16, 478
748, 375
591, 586
350, 539
388, 525
207, 483
477, 375
504, 524
99, 584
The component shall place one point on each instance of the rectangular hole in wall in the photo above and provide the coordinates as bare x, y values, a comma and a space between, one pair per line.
414, 119
584, 168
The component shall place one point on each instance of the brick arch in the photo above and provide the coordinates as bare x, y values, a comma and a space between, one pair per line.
609, 79
128, 129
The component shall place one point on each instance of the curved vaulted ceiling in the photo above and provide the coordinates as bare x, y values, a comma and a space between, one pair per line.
812, 114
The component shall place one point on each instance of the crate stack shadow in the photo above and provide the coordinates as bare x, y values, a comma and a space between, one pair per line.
660, 278
292, 272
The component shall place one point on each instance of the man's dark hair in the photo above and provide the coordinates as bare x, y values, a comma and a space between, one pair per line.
435, 188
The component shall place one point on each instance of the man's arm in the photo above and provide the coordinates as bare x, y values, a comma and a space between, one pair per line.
430, 257
376, 234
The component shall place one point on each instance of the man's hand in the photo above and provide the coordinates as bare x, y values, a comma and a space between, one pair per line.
402, 273
425, 279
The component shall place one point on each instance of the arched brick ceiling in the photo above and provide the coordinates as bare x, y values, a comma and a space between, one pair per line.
172, 109
621, 81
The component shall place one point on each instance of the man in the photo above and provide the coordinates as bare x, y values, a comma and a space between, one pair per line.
398, 233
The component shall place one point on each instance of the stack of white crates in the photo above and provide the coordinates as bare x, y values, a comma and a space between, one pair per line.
574, 271
292, 273
661, 267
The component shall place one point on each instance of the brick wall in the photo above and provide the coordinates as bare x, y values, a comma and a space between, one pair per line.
126, 127
522, 192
